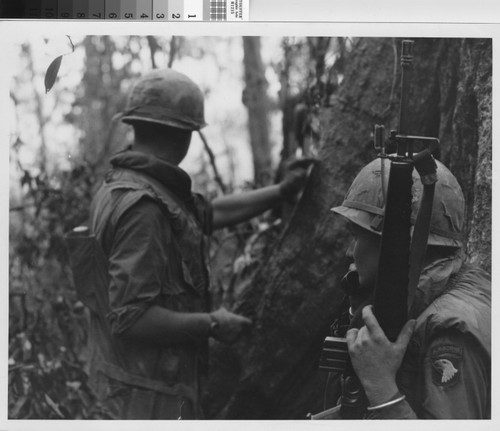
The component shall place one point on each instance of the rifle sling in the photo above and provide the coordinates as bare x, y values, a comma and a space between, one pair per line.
419, 240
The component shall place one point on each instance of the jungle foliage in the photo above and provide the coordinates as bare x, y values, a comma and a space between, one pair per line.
282, 269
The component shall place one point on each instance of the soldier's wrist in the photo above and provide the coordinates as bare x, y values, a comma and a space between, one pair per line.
395, 399
380, 393
287, 191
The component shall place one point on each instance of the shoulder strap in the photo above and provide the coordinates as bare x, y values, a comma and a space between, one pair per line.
139, 186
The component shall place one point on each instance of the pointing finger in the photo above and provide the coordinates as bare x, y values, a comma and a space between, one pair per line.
351, 336
406, 333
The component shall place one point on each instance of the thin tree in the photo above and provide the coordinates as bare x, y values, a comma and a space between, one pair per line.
256, 100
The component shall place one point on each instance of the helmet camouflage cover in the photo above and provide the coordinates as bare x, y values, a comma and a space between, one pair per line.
167, 97
364, 202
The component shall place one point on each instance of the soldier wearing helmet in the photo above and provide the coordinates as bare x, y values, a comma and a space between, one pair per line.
439, 366
149, 340
168, 98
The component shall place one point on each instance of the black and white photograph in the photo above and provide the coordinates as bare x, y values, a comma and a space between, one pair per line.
244, 225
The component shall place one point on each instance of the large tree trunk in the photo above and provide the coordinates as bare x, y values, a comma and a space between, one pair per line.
294, 294
256, 100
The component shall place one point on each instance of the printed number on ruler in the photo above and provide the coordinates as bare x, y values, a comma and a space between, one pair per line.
65, 8
80, 9
160, 10
127, 9
32, 9
144, 9
193, 10
112, 8
175, 10
96, 9
49, 9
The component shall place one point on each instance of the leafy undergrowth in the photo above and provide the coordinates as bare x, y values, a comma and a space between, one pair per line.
48, 325
47, 389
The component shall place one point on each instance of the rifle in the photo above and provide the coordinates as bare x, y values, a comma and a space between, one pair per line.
401, 258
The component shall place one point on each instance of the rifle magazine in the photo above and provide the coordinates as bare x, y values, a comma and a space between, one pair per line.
334, 355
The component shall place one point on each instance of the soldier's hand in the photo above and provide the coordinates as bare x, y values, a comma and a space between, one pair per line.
228, 326
375, 359
295, 177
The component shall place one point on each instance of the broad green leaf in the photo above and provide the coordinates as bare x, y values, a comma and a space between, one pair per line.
51, 74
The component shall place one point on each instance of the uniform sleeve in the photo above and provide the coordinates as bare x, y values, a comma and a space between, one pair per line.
456, 381
204, 213
138, 259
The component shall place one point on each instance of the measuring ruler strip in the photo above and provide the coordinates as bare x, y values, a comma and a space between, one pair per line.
193, 10
133, 10
143, 10
161, 10
81, 9
112, 9
48, 9
127, 9
65, 9
96, 9
175, 10
32, 8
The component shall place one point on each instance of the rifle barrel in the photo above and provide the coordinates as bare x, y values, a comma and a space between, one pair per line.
406, 62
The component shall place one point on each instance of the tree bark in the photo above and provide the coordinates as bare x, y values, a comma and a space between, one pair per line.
472, 135
256, 100
294, 294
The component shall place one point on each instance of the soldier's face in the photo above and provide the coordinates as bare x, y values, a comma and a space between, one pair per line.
364, 250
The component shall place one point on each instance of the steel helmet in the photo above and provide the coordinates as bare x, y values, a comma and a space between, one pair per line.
166, 97
364, 202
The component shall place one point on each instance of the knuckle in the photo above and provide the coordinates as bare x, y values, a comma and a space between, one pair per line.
364, 343
352, 349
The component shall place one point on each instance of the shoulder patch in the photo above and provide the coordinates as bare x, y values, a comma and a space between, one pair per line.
446, 360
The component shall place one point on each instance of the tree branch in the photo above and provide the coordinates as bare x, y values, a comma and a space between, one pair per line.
211, 156
153, 47
173, 51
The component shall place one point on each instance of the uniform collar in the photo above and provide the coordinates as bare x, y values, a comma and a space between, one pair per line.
435, 279
171, 176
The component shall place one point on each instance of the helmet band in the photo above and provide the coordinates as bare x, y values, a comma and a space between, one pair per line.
363, 207
159, 114
380, 212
